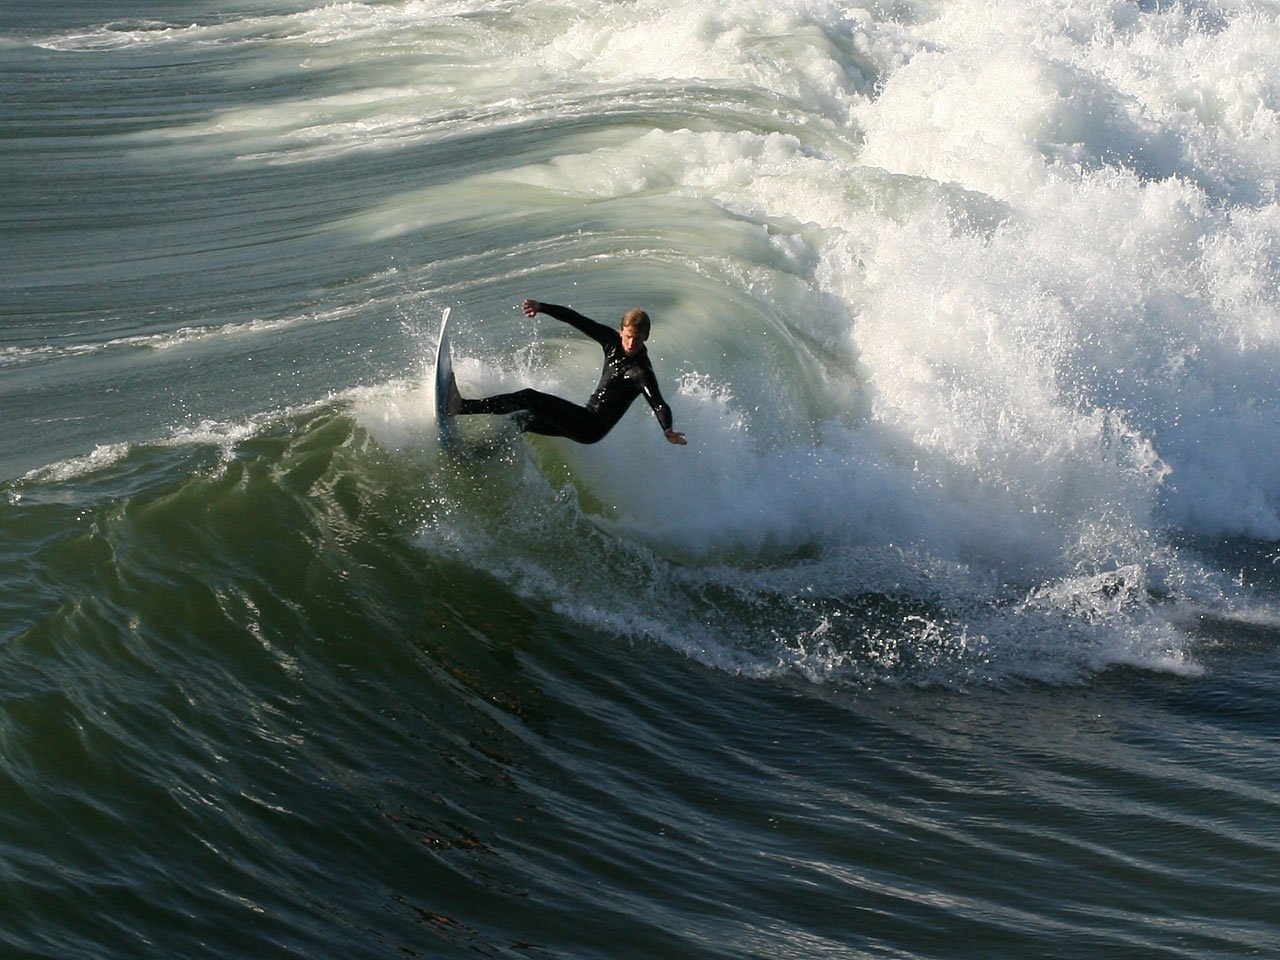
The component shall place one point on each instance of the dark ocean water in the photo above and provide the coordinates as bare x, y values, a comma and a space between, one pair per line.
954, 632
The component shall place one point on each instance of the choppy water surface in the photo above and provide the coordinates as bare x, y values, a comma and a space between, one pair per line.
952, 633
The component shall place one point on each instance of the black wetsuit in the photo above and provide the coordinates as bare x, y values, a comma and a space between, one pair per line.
623, 379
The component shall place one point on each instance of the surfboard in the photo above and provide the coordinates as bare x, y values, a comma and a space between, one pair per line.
444, 381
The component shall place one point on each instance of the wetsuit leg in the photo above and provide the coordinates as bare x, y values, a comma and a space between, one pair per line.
543, 413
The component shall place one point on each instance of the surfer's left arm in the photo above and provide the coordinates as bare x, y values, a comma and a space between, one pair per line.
649, 387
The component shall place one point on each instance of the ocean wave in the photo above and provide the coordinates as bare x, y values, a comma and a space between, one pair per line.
24, 355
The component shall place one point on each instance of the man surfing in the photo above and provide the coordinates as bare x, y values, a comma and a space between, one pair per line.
627, 374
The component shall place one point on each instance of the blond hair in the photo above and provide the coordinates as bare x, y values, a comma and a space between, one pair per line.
638, 319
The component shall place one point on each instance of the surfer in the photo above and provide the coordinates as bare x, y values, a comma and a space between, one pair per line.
627, 374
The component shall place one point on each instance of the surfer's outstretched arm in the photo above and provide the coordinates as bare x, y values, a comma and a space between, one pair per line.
649, 389
596, 331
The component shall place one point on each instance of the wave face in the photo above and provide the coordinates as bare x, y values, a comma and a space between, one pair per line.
952, 632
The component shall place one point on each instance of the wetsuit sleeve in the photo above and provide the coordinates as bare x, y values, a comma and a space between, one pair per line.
649, 387
596, 331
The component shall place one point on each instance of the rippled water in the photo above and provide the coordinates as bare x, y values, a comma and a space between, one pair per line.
952, 633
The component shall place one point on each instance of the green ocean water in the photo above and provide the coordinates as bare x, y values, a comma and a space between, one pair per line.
952, 633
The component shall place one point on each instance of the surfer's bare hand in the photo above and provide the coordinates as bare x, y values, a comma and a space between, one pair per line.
531, 308
676, 437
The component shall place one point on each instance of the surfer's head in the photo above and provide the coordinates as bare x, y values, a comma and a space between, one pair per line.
634, 330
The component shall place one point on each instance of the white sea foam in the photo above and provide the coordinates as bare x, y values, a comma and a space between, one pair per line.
100, 458
21, 355
989, 291
1027, 307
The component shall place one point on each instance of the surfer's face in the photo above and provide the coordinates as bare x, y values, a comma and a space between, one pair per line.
631, 340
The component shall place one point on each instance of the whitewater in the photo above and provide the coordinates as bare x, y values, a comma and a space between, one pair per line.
952, 632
